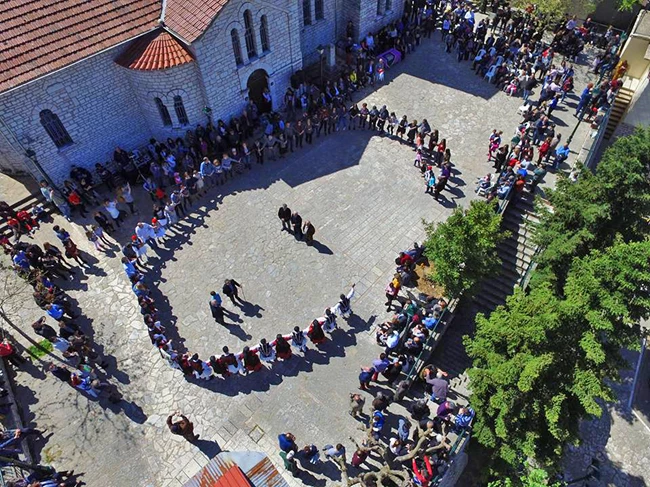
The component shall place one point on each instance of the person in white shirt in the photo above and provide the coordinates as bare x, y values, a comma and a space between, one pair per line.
113, 210
343, 307
146, 233
125, 192
392, 341
370, 41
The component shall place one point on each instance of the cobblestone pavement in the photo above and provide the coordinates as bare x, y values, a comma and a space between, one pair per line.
619, 440
366, 201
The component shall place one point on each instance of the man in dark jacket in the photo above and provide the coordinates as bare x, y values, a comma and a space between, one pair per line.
284, 214
309, 231
296, 221
43, 329
230, 289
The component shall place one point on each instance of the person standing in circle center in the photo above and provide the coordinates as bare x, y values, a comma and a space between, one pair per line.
284, 214
296, 221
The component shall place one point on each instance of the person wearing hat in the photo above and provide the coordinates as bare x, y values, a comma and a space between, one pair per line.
184, 427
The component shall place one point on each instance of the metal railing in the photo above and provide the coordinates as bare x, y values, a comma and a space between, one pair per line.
429, 344
591, 144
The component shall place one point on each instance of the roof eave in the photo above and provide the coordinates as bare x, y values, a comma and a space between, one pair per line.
21, 85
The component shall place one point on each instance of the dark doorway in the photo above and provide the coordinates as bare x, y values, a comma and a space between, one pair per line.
258, 87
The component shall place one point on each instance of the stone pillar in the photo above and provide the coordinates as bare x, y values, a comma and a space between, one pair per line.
330, 55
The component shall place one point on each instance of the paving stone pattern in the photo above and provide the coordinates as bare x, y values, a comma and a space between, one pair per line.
366, 201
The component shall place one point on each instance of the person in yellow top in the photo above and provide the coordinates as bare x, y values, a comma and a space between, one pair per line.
621, 69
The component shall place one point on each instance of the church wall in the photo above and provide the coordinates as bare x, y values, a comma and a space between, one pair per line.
95, 103
225, 82
165, 84
319, 32
371, 21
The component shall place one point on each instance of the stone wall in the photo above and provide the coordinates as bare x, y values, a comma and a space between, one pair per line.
11, 159
226, 83
320, 32
183, 80
95, 103
349, 10
372, 21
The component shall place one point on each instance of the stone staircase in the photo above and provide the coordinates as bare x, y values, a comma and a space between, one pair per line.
621, 103
516, 254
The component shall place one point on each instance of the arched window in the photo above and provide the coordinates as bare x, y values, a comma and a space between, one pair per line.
164, 113
179, 108
55, 129
249, 35
319, 10
236, 47
306, 12
264, 34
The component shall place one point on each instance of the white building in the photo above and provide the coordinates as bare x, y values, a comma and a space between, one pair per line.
80, 77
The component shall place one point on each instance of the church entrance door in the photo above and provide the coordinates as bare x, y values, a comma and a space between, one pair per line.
258, 84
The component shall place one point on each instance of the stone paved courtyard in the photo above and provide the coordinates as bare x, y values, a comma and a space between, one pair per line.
366, 201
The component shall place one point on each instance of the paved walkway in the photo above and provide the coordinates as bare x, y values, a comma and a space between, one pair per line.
366, 201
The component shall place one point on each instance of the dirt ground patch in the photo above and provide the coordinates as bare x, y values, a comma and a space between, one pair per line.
425, 285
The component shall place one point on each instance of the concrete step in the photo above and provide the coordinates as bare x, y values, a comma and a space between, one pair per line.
510, 248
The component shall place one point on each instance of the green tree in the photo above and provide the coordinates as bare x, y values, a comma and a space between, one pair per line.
540, 363
462, 250
592, 212
553, 10
535, 478
628, 4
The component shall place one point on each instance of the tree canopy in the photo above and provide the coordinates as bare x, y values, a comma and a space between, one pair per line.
543, 362
554, 10
462, 249
592, 212
540, 362
536, 478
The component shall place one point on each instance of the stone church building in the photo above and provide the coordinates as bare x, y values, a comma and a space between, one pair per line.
80, 77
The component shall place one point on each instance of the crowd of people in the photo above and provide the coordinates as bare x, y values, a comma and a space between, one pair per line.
175, 173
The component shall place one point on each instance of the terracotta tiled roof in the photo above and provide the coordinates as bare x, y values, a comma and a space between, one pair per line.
40, 36
158, 50
190, 18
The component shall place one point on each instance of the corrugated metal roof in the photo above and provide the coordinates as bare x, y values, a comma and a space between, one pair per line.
256, 467
233, 477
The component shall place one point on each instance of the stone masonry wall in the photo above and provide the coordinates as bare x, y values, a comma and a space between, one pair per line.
225, 82
371, 21
95, 103
183, 80
11, 159
349, 10
320, 32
